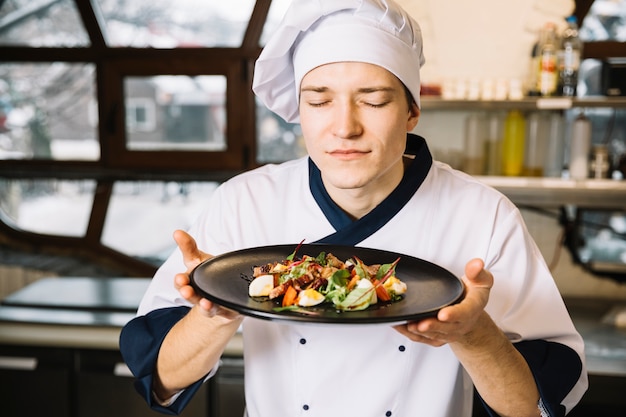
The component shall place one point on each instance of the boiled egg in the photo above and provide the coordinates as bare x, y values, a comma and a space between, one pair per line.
310, 298
261, 286
367, 285
394, 286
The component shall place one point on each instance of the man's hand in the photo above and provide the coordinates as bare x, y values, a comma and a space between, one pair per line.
192, 257
498, 370
186, 354
455, 323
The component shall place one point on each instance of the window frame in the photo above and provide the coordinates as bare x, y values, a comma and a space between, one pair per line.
116, 163
240, 140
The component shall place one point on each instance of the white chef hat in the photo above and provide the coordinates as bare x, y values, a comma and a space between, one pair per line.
318, 32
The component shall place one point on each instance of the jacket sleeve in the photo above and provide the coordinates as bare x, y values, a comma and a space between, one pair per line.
556, 369
140, 342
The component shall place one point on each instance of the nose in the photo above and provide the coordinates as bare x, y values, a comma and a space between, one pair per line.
346, 121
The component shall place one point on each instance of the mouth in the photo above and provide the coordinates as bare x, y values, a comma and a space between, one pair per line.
347, 154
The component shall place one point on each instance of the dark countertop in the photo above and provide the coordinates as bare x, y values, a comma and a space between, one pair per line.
75, 312
70, 311
90, 312
81, 293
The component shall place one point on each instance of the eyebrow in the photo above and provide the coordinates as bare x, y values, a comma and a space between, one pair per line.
364, 90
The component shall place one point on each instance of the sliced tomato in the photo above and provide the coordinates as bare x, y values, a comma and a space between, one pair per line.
381, 292
290, 296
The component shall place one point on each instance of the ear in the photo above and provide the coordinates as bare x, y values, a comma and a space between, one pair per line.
413, 116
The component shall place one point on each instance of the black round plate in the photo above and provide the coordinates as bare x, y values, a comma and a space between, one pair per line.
224, 280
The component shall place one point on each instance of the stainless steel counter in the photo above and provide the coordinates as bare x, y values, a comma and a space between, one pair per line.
90, 312
605, 343
75, 312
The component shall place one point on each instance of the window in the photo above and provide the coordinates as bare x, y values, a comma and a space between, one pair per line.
104, 103
138, 207
175, 24
606, 21
41, 23
46, 111
176, 113
274, 16
51, 207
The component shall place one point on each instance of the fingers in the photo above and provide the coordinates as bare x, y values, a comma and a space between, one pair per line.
185, 289
192, 256
453, 322
183, 285
411, 331
476, 275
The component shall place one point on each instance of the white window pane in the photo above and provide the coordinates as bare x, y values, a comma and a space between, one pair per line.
175, 112
52, 207
175, 24
274, 16
41, 23
277, 140
143, 215
47, 111
605, 21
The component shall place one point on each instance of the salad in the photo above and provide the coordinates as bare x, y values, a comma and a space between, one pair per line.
308, 281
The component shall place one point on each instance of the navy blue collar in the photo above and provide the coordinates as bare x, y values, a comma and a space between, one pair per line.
349, 231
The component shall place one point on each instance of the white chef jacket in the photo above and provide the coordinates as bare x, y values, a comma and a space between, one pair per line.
322, 370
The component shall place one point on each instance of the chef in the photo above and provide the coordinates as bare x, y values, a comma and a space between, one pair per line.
348, 72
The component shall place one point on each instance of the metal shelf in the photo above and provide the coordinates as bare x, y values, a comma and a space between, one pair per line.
555, 192
546, 192
528, 103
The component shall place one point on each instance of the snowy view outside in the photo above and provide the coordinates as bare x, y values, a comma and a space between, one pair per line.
143, 216
140, 221
50, 111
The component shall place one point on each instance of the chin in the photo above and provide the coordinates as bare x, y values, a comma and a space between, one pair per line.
346, 181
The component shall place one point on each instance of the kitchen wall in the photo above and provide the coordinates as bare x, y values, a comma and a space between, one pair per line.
482, 38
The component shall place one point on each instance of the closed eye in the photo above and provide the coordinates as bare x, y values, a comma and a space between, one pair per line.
317, 103
376, 105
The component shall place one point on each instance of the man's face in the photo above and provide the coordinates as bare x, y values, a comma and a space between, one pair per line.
355, 118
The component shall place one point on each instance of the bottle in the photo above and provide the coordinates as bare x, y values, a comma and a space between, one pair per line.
513, 143
535, 145
493, 144
570, 55
547, 75
555, 154
580, 146
473, 159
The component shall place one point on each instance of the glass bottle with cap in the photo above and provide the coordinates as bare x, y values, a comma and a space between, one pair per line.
569, 58
547, 77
